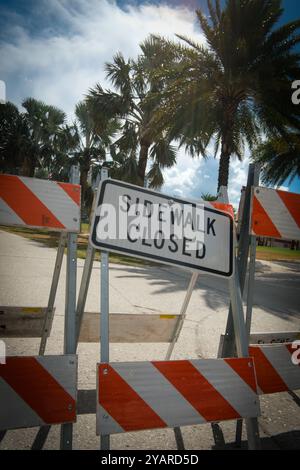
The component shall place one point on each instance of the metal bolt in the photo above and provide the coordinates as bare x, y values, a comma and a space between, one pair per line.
250, 364
257, 191
105, 416
105, 371
70, 407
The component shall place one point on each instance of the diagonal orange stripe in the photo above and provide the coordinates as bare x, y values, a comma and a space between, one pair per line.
197, 390
268, 380
261, 222
223, 207
25, 204
242, 368
123, 404
72, 190
33, 383
292, 203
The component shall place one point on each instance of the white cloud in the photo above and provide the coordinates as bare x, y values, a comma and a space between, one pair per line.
60, 67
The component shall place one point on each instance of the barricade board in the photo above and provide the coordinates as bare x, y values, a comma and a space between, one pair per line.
275, 214
130, 328
37, 391
37, 203
277, 367
160, 394
24, 322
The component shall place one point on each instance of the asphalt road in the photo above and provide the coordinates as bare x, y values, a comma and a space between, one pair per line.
25, 277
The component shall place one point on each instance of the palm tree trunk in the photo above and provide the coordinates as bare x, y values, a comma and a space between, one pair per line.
223, 168
83, 182
28, 167
142, 163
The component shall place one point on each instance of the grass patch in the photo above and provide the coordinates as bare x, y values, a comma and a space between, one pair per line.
274, 253
50, 239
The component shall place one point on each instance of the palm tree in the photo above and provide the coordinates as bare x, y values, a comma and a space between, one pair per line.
90, 142
15, 141
139, 141
279, 158
45, 124
236, 86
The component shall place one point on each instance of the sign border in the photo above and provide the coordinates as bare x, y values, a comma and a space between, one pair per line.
108, 247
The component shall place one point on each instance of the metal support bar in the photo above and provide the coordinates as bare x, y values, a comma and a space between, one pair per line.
85, 280
104, 318
40, 438
66, 436
53, 291
242, 348
251, 280
182, 315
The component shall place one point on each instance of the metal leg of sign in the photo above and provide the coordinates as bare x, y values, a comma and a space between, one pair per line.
53, 290
66, 435
251, 280
255, 170
228, 349
40, 438
193, 280
218, 435
104, 324
84, 287
85, 280
242, 349
70, 323
182, 315
104, 318
239, 433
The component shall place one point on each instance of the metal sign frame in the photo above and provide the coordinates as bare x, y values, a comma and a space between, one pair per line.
238, 324
69, 239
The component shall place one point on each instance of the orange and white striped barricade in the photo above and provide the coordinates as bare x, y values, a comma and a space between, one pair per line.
37, 391
135, 396
277, 366
273, 214
127, 327
219, 246
43, 204
37, 203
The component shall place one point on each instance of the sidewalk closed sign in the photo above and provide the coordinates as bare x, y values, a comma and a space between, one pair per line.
138, 222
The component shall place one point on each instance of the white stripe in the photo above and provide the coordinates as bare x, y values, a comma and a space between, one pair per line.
281, 360
278, 213
56, 200
105, 423
63, 369
158, 393
8, 216
230, 385
14, 411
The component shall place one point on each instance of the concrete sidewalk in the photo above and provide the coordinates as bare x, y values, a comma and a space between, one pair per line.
25, 277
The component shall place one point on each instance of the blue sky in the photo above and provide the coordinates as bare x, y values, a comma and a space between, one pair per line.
55, 50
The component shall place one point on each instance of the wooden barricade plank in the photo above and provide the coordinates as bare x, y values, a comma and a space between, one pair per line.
130, 328
24, 322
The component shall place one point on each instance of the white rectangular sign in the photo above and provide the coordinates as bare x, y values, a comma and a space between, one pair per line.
147, 224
